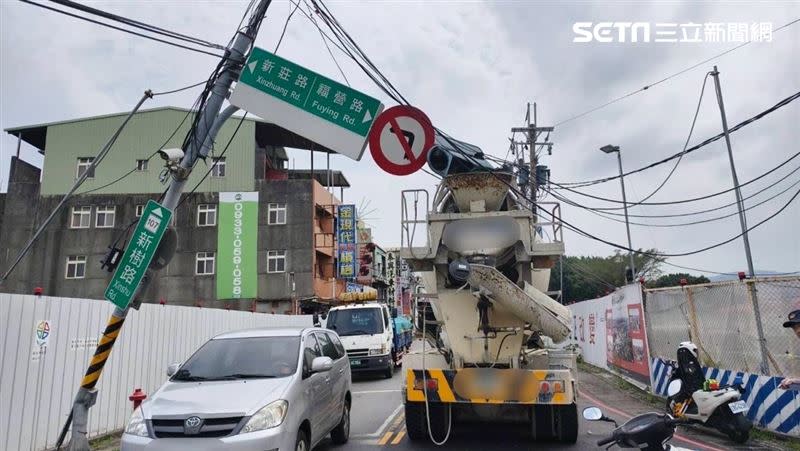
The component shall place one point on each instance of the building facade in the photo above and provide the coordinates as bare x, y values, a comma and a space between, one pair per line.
295, 241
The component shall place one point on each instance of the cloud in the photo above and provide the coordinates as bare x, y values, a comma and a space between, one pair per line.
472, 67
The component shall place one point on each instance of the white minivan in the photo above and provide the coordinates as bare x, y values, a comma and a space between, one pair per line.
277, 389
367, 335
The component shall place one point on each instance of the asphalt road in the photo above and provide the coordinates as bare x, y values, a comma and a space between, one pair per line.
378, 422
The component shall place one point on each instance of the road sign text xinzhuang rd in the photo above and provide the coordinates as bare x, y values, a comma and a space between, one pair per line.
305, 102
140, 251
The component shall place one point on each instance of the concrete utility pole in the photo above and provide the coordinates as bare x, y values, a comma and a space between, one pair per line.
209, 123
531, 132
611, 149
743, 223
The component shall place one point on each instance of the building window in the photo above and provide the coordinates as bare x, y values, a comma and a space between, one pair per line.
141, 165
76, 267
276, 261
140, 210
105, 217
206, 215
276, 214
218, 170
83, 166
205, 263
81, 217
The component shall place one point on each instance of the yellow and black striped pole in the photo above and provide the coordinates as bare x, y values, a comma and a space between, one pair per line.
103, 351
86, 394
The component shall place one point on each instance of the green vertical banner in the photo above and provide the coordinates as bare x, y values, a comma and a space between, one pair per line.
237, 246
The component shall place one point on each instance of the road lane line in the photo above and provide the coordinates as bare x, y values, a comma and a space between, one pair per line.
385, 438
627, 416
373, 392
399, 437
383, 426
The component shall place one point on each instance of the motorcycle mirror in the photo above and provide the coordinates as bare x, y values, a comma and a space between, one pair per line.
674, 387
592, 413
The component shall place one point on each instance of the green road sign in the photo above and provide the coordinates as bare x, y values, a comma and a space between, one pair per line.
305, 102
137, 257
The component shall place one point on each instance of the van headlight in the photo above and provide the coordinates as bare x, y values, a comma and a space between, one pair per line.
137, 424
269, 416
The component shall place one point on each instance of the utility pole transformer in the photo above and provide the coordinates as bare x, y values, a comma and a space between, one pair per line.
751, 286
209, 123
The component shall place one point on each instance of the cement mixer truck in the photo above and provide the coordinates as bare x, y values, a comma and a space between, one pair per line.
484, 318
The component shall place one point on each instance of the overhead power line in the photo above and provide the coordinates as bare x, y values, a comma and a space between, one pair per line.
392, 92
675, 215
683, 224
682, 201
737, 127
142, 35
138, 24
682, 71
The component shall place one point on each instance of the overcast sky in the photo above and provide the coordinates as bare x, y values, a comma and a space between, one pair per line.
472, 67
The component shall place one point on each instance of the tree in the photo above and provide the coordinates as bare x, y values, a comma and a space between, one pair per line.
589, 277
674, 279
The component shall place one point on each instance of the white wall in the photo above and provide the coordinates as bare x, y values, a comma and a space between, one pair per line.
593, 346
38, 384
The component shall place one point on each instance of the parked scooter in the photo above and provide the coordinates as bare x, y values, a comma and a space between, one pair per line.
697, 401
648, 431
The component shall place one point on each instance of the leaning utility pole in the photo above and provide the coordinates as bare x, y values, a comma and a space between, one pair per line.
743, 222
209, 122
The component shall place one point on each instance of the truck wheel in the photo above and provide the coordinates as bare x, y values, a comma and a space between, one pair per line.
416, 425
567, 423
389, 371
542, 422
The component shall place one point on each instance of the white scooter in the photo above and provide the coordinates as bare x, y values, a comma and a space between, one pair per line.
648, 431
721, 409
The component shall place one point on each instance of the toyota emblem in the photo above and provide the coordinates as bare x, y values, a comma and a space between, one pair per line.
192, 425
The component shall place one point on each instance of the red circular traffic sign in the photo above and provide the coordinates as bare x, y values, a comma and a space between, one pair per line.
400, 139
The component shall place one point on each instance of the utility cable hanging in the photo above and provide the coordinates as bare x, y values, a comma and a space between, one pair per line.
682, 201
738, 126
153, 38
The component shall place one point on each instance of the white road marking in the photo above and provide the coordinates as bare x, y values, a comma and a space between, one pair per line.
382, 427
371, 392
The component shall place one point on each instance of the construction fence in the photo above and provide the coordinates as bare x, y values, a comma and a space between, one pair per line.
722, 319
47, 343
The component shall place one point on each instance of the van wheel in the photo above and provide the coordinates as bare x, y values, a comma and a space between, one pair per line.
389, 371
341, 433
302, 441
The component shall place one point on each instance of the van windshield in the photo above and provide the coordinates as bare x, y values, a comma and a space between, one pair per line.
242, 358
355, 321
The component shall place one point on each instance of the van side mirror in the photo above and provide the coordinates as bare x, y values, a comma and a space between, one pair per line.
172, 369
321, 364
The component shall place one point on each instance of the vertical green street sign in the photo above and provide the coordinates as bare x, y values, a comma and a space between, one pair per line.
140, 251
305, 102
237, 246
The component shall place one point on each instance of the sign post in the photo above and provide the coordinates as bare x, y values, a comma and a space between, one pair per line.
140, 251
305, 102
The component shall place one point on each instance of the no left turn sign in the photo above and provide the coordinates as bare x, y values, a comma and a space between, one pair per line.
400, 139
